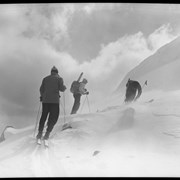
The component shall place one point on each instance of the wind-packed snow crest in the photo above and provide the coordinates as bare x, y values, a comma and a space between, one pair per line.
161, 69
135, 140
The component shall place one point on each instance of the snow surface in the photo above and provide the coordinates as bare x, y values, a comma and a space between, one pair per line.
135, 140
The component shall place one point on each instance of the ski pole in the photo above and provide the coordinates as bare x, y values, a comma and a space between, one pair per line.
88, 103
145, 83
66, 125
64, 107
37, 119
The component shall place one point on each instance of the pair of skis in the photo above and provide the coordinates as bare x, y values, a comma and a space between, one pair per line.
46, 142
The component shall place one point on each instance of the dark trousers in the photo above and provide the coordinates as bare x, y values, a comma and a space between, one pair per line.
51, 109
77, 98
130, 96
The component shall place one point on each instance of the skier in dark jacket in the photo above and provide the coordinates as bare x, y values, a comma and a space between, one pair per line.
132, 87
77, 95
49, 91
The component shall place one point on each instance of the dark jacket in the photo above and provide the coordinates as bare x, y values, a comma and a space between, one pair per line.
131, 88
50, 87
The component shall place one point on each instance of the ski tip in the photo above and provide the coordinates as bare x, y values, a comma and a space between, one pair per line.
66, 126
69, 127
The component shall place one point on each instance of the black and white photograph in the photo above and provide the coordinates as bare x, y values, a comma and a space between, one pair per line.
89, 89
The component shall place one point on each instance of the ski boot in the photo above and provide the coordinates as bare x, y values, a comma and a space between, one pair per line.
38, 138
45, 138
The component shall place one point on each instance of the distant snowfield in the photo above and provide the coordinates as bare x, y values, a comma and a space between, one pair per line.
140, 139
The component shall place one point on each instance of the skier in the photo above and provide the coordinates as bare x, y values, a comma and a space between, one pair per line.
78, 93
132, 87
49, 96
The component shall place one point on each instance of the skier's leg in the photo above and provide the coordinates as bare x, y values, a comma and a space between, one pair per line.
76, 105
52, 120
45, 111
127, 99
130, 96
77, 102
73, 111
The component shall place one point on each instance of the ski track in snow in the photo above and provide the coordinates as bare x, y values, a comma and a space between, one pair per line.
44, 162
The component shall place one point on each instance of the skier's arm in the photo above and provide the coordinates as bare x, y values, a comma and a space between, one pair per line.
62, 87
82, 89
127, 84
139, 92
41, 89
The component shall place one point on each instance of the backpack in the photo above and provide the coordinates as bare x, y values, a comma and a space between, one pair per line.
75, 87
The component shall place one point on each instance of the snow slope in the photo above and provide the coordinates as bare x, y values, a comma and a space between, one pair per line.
160, 69
141, 139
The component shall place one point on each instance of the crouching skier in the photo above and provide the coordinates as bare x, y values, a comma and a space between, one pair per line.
49, 96
132, 87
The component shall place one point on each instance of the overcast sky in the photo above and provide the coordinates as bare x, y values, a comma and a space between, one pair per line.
104, 41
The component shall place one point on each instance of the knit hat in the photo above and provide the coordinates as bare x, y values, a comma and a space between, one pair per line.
54, 69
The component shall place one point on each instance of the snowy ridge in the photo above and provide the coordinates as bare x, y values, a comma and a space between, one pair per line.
114, 142
155, 68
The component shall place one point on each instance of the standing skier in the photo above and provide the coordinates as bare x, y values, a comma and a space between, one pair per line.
49, 91
132, 87
78, 90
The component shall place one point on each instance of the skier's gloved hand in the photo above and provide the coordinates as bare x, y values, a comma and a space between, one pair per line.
87, 92
40, 98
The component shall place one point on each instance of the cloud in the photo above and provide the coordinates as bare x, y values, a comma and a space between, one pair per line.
126, 53
161, 36
12, 19
122, 54
41, 21
126, 50
50, 21
27, 53
89, 8
129, 51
